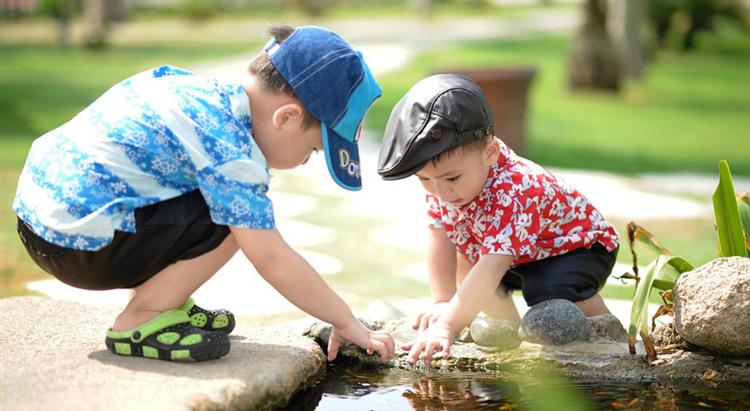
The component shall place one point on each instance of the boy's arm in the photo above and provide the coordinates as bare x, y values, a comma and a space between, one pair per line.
441, 265
441, 271
298, 281
475, 292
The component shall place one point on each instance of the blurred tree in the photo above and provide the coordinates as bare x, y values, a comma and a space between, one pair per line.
689, 17
62, 11
421, 7
594, 63
95, 24
627, 23
199, 9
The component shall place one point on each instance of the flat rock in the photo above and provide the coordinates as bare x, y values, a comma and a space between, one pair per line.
53, 358
598, 359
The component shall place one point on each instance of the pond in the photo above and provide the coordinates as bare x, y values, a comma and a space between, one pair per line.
352, 387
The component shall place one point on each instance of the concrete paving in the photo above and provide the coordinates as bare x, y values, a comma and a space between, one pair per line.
53, 358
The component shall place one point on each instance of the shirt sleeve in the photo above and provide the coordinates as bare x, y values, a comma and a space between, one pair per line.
513, 220
435, 219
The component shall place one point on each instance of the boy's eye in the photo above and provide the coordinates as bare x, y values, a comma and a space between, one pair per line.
451, 179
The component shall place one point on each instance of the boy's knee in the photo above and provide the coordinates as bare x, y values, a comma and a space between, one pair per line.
503, 292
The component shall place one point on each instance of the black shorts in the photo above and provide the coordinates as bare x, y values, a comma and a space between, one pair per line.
176, 229
574, 276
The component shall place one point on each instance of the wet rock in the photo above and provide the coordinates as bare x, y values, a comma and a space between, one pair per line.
608, 327
603, 360
712, 306
554, 322
321, 332
494, 332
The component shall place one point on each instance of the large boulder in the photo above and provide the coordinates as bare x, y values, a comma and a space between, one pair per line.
712, 306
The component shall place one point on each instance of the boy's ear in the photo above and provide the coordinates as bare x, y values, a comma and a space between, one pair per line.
491, 151
286, 114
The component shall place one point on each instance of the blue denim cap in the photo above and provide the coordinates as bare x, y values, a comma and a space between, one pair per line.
336, 86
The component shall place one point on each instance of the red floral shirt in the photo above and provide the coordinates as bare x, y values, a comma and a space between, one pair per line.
523, 211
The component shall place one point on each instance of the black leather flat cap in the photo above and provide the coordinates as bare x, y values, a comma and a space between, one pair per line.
437, 114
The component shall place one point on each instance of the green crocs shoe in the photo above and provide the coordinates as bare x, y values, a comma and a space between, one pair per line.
209, 320
169, 336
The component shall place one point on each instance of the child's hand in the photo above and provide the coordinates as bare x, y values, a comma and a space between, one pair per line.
426, 319
437, 337
372, 341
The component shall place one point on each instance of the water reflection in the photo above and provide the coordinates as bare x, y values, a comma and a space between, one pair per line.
356, 388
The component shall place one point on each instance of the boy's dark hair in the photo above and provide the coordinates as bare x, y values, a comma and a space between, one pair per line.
263, 69
473, 145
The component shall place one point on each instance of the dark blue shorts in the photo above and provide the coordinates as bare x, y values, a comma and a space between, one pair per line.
574, 276
176, 229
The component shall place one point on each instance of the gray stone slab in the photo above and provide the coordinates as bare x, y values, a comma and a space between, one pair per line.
52, 357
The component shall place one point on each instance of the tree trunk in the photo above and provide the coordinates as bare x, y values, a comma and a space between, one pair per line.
65, 10
594, 63
421, 7
95, 20
627, 20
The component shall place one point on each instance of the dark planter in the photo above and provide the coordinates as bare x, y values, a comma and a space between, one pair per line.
506, 90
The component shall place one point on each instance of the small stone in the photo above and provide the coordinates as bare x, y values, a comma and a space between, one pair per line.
495, 332
554, 322
665, 334
464, 336
607, 326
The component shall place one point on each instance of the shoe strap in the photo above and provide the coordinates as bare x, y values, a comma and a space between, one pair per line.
188, 304
158, 323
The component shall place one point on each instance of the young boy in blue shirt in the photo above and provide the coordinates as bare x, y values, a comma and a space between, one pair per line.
156, 184
499, 221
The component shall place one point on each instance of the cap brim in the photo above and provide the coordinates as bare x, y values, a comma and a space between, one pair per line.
342, 158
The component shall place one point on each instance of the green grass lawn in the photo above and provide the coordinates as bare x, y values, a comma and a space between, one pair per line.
687, 113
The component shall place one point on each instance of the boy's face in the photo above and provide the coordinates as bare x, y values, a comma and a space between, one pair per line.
285, 141
294, 146
459, 177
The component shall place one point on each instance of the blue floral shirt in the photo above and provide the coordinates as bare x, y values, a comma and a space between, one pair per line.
152, 137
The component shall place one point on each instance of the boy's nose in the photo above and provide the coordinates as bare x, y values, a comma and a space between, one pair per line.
442, 190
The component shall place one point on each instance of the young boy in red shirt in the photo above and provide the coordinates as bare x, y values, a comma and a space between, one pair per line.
501, 222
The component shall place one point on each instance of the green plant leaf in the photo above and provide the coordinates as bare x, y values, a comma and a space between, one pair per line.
660, 273
743, 205
728, 223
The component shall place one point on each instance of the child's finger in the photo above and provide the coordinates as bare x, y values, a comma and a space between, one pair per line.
333, 348
417, 320
389, 343
416, 349
424, 323
431, 346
